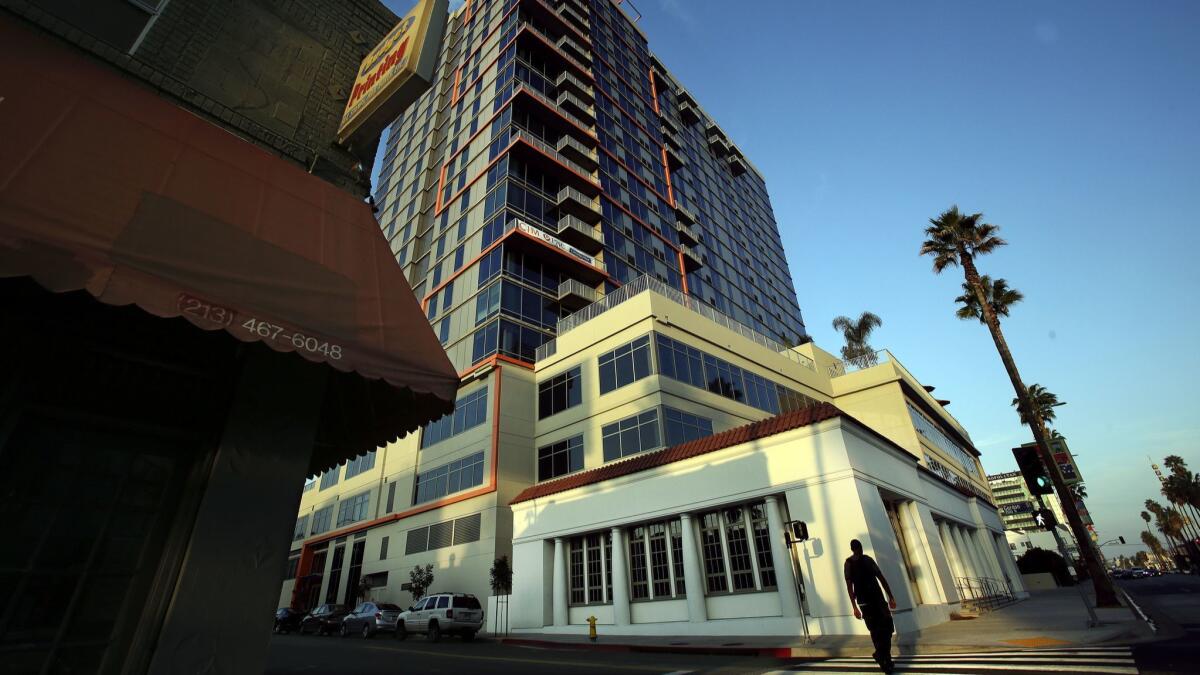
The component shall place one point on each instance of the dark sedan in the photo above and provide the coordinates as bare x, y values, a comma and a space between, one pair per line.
324, 620
369, 618
287, 620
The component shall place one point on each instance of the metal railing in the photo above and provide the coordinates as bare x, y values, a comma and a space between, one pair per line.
570, 222
566, 77
565, 97
566, 42
571, 12
867, 360
554, 154
568, 192
525, 25
553, 105
643, 284
546, 350
573, 287
570, 142
984, 593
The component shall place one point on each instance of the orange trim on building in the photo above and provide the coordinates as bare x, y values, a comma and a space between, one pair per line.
653, 90
682, 272
667, 175
457, 79
306, 550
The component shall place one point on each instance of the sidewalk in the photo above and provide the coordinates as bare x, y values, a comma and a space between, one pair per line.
1054, 618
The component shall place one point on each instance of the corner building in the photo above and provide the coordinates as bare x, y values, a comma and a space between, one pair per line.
556, 171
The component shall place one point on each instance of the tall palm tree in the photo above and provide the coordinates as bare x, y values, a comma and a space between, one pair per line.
857, 332
956, 239
1182, 489
1167, 521
997, 293
1044, 400
1080, 490
1156, 547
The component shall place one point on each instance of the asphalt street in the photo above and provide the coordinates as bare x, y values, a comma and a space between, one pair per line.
311, 655
1173, 601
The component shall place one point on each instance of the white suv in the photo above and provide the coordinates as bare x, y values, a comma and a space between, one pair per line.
442, 614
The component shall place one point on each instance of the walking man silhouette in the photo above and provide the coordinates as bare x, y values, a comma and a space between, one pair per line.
862, 584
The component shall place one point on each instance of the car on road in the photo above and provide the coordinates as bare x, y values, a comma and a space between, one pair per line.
442, 614
287, 620
324, 620
1138, 573
369, 618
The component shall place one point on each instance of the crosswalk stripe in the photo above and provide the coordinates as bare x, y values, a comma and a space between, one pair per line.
1102, 660
959, 667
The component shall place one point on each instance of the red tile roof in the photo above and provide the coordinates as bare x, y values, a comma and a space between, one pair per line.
726, 439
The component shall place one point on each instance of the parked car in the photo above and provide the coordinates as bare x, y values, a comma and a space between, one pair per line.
324, 620
369, 618
442, 614
287, 620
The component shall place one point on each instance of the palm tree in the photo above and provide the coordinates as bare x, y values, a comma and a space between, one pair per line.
857, 351
997, 293
1044, 400
1167, 521
1080, 490
955, 239
1182, 485
1156, 546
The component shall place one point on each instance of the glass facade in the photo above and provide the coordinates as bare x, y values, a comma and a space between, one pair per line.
556, 159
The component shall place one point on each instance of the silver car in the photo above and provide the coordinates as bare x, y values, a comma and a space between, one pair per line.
369, 618
442, 614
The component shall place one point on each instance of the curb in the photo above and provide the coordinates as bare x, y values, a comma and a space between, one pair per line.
794, 652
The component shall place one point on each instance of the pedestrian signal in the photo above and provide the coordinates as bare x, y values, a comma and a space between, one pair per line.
797, 530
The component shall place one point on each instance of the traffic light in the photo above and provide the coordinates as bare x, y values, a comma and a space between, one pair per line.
1033, 470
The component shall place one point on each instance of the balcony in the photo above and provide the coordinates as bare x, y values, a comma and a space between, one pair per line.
572, 103
587, 157
689, 113
563, 167
574, 295
645, 284
580, 234
548, 14
675, 157
691, 259
553, 48
717, 142
578, 204
571, 47
671, 137
737, 166
687, 234
685, 216
570, 13
578, 123
568, 82
521, 236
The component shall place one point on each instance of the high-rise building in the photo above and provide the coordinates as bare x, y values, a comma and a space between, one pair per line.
603, 267
556, 159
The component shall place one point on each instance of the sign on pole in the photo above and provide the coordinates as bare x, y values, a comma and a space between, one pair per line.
396, 72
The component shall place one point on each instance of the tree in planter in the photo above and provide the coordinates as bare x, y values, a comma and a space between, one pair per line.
1039, 560
501, 576
857, 351
956, 239
420, 579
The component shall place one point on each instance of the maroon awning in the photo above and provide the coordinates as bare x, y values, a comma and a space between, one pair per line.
106, 186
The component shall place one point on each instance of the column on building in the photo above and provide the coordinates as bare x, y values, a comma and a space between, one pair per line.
942, 564
956, 563
1004, 554
987, 549
781, 557
559, 576
620, 577
964, 552
920, 550
693, 573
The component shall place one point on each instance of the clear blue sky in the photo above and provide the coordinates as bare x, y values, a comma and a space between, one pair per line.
1075, 126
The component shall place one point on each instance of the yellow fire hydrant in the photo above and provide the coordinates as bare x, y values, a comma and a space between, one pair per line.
591, 628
